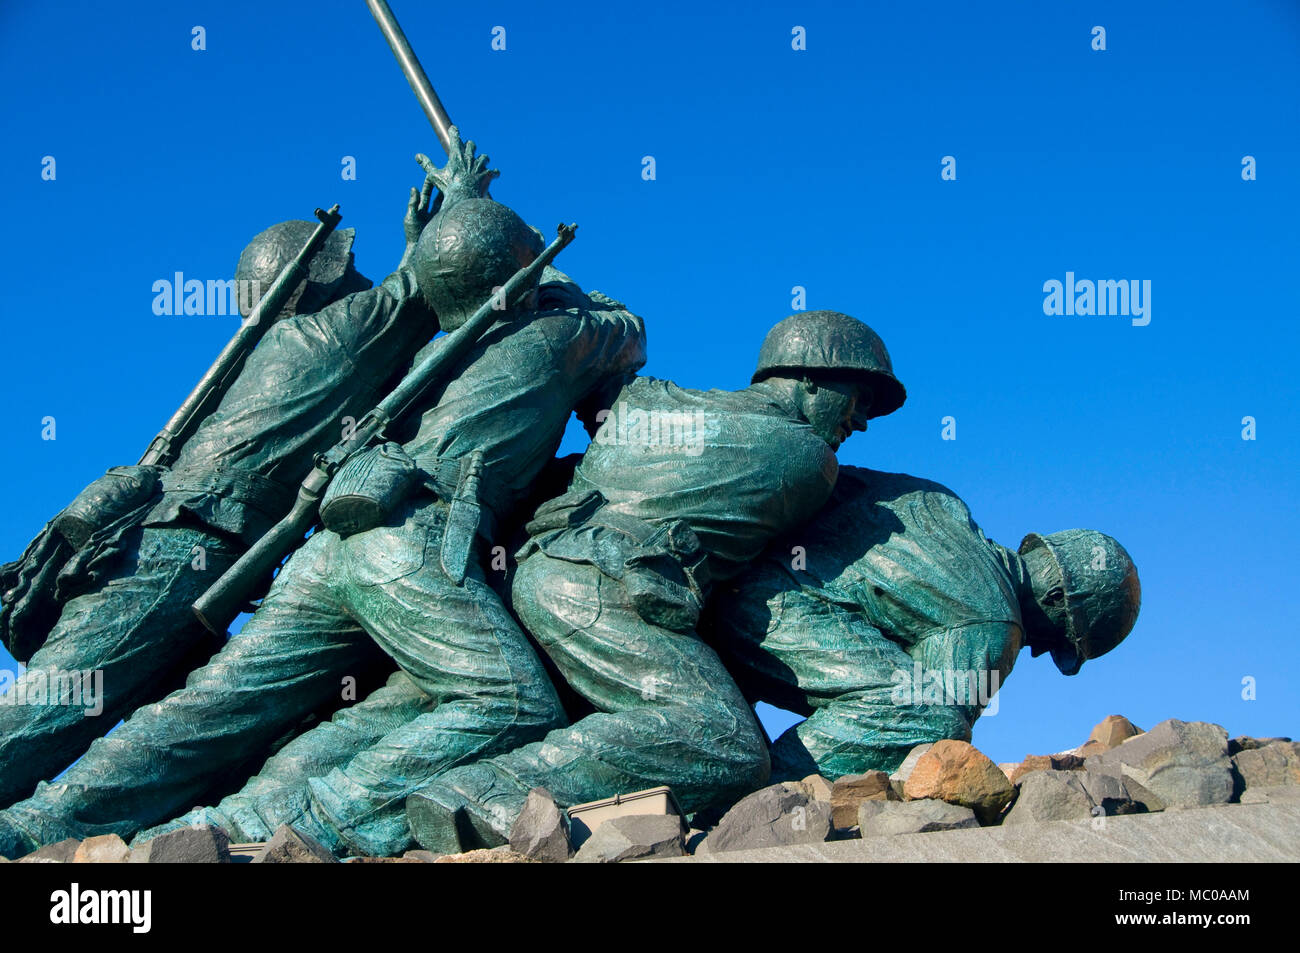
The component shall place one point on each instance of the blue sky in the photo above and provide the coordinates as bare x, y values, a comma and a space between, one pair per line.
775, 168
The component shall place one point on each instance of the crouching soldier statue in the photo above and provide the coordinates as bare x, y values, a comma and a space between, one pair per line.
891, 620
678, 491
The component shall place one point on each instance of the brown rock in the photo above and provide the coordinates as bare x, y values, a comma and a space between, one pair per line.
1113, 730
1269, 766
105, 849
850, 791
1008, 768
1046, 762
817, 787
1089, 748
420, 856
958, 773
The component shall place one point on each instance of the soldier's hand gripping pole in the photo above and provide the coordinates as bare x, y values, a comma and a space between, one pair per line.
219, 606
413, 71
226, 367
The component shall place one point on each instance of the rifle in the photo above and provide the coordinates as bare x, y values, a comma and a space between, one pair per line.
230, 361
219, 606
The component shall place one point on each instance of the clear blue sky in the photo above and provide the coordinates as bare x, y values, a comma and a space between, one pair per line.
775, 168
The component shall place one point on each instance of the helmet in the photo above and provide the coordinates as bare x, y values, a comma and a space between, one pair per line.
468, 251
330, 276
831, 341
1100, 593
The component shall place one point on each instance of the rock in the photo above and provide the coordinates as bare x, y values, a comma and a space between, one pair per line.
1008, 768
395, 860
105, 849
817, 787
488, 855
774, 816
882, 818
633, 837
1047, 762
1272, 765
959, 773
905, 769
695, 840
1112, 794
140, 855
1271, 795
1088, 749
420, 856
1247, 743
1183, 764
58, 853
1113, 730
542, 830
1050, 795
191, 845
852, 789
288, 846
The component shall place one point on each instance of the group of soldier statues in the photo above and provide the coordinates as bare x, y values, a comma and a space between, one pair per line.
656, 589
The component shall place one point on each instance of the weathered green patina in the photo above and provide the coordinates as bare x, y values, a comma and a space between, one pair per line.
891, 620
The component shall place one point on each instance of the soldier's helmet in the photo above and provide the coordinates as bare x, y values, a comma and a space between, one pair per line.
831, 342
331, 276
468, 251
1088, 586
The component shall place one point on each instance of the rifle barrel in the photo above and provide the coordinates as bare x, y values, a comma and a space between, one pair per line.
413, 71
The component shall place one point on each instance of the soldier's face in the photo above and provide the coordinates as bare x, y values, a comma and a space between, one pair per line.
836, 409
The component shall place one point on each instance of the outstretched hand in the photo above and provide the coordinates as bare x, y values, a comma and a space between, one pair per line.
464, 176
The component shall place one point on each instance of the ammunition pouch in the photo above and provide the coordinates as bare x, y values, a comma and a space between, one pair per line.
662, 567
120, 491
367, 488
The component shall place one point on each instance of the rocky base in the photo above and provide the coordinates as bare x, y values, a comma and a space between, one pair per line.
1073, 805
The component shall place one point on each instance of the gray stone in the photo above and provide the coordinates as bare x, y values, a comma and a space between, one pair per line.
191, 845
1111, 793
775, 815
420, 856
1218, 834
1272, 765
1050, 795
633, 837
105, 849
288, 846
486, 855
1184, 764
542, 829
1285, 792
884, 818
61, 852
905, 769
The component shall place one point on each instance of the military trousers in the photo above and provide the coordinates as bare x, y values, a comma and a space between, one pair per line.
336, 604
667, 711
124, 644
814, 656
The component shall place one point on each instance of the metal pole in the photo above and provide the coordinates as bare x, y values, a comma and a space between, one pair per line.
413, 71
